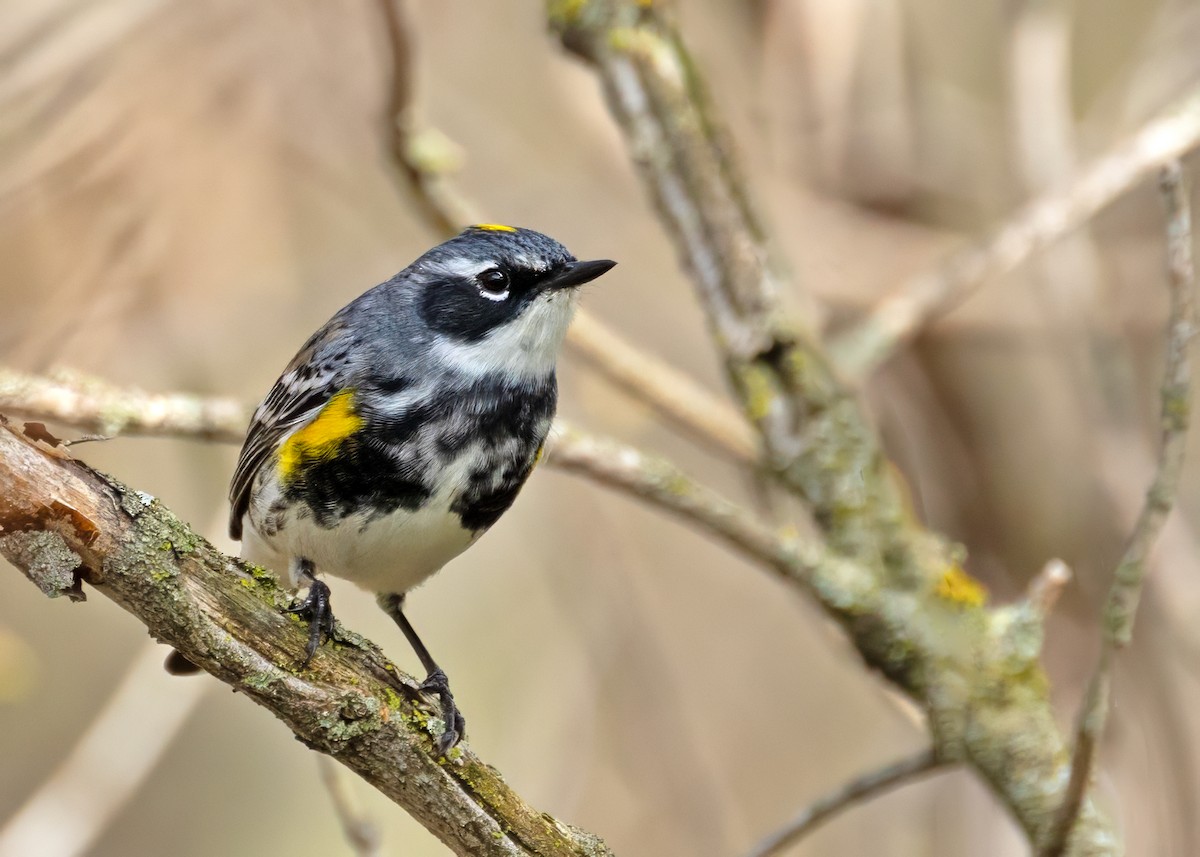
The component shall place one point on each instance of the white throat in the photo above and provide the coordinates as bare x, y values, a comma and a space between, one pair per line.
524, 348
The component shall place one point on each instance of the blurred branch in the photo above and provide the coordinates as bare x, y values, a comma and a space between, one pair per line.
1120, 610
93, 405
63, 523
854, 792
674, 395
111, 760
427, 160
910, 608
661, 484
1044, 590
922, 298
360, 832
86, 403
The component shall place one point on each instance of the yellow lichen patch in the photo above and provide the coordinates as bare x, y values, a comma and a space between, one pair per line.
565, 12
958, 586
322, 437
494, 227
757, 392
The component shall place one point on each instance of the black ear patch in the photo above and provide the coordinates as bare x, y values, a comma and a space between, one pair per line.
456, 308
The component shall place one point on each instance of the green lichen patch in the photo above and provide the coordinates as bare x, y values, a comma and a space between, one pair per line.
262, 680
261, 574
47, 560
354, 716
392, 701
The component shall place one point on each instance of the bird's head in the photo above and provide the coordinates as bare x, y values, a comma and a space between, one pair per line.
499, 298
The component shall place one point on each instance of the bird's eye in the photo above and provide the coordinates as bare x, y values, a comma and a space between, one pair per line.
493, 284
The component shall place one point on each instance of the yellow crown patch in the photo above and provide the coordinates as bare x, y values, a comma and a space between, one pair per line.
494, 227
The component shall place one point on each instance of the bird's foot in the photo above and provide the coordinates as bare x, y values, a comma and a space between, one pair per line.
456, 724
317, 610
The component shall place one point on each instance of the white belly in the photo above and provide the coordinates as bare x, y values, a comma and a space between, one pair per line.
386, 553
389, 553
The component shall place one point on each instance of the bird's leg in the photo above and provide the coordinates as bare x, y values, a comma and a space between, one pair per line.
315, 608
435, 680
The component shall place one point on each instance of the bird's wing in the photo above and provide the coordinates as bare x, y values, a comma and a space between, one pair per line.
310, 379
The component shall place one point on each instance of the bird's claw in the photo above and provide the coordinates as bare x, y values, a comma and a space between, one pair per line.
456, 725
316, 608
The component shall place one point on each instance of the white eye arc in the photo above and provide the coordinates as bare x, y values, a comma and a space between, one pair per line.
493, 284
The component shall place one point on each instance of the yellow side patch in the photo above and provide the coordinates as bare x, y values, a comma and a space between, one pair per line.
959, 587
322, 437
494, 227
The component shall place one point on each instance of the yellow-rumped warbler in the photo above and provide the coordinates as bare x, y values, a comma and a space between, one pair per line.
405, 427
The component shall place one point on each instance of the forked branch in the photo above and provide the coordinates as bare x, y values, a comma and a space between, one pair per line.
910, 608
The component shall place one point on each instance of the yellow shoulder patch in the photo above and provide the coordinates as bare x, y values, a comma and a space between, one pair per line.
494, 227
322, 437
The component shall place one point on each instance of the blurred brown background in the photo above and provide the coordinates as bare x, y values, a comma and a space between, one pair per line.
187, 189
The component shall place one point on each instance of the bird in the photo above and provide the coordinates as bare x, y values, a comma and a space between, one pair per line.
405, 427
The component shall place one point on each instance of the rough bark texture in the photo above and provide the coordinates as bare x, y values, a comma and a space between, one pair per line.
64, 525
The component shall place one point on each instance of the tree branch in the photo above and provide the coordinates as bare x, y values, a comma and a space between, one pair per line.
906, 602
92, 405
856, 791
1120, 610
62, 522
920, 299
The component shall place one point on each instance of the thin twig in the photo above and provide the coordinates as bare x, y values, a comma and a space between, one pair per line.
922, 298
673, 394
360, 831
111, 759
660, 483
1120, 609
92, 405
854, 792
426, 159
1043, 591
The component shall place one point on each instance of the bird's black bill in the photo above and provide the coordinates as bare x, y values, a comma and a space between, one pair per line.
578, 273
